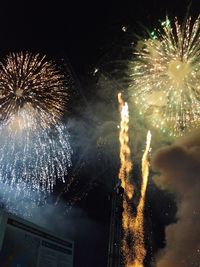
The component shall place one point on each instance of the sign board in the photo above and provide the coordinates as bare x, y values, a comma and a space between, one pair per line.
23, 244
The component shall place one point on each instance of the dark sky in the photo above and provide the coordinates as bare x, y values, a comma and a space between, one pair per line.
84, 31
78, 28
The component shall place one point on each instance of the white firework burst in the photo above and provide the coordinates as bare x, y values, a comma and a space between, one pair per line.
165, 77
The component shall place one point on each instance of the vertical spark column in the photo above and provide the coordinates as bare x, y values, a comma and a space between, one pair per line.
124, 176
133, 242
139, 242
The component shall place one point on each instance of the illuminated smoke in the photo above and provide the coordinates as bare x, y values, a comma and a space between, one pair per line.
179, 169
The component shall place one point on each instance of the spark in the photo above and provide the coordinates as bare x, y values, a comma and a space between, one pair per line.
95, 71
34, 143
124, 28
165, 74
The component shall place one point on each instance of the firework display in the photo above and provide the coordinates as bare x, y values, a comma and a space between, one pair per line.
165, 77
34, 143
35, 152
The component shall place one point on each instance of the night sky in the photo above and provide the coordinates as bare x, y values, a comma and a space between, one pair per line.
83, 33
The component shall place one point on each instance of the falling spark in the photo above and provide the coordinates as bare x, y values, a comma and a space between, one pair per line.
139, 243
34, 143
165, 75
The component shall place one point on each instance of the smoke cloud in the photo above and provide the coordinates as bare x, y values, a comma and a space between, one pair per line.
179, 172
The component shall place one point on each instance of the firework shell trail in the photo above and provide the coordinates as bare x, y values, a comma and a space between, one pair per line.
165, 77
139, 236
133, 241
126, 165
124, 176
34, 143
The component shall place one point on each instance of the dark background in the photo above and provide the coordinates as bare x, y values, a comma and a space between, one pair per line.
79, 28
83, 32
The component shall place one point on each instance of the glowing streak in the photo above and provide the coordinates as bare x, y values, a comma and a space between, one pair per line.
124, 175
133, 247
126, 165
139, 244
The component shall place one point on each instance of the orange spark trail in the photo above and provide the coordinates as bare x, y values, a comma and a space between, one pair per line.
133, 247
124, 176
139, 244
126, 165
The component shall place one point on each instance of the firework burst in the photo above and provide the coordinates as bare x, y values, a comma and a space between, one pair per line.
32, 82
165, 74
34, 143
